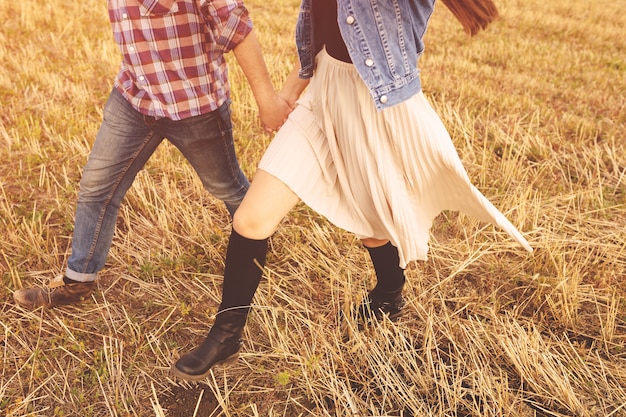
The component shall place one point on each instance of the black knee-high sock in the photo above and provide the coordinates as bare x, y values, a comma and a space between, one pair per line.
245, 259
389, 275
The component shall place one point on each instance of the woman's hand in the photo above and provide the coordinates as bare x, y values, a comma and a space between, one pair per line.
274, 112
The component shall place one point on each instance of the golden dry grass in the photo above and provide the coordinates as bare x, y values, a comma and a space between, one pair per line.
536, 106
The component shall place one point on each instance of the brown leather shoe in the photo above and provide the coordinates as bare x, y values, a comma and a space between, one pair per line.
56, 293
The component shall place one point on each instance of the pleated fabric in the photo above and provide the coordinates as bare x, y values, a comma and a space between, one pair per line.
379, 174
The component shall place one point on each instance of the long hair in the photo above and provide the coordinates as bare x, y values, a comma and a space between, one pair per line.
474, 15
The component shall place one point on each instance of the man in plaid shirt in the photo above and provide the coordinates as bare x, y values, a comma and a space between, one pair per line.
172, 84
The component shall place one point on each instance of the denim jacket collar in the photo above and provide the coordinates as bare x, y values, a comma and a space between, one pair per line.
384, 39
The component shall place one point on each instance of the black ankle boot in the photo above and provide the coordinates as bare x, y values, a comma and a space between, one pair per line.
377, 304
221, 346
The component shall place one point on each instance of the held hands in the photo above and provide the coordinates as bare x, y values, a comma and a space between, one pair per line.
284, 102
275, 107
273, 112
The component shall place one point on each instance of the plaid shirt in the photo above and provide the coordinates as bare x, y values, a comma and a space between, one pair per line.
173, 53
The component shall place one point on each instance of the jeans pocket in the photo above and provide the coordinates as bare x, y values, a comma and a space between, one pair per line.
225, 120
157, 7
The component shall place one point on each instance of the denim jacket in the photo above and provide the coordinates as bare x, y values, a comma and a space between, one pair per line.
384, 40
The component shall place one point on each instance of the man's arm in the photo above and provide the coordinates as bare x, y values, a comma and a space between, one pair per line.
273, 109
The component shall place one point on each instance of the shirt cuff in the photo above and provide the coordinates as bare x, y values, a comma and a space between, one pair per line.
230, 22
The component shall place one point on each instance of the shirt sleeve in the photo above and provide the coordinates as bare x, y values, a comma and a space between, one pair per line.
229, 21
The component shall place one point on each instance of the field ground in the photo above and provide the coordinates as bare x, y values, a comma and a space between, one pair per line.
536, 106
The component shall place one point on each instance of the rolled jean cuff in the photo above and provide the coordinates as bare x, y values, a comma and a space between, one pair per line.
77, 276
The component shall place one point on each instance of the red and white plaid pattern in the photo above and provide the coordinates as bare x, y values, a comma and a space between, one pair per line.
173, 53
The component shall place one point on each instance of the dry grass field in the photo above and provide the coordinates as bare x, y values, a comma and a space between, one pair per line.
536, 106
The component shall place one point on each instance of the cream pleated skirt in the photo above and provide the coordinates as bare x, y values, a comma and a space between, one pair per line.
379, 174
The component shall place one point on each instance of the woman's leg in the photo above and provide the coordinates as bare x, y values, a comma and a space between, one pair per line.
386, 297
265, 205
262, 209
389, 276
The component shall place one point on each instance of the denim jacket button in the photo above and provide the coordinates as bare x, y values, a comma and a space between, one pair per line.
369, 62
350, 20
384, 99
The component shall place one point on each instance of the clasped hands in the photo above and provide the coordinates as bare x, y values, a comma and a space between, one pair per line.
274, 112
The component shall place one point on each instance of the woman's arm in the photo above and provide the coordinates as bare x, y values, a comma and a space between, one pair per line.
293, 86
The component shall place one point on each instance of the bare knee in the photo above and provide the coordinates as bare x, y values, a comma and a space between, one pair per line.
370, 242
266, 204
251, 225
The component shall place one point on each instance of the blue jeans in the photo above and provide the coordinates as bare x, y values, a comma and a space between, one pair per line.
124, 143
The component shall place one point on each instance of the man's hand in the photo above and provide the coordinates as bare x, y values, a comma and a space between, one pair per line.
273, 109
273, 112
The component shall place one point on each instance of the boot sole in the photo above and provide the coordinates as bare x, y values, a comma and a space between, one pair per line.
375, 321
187, 377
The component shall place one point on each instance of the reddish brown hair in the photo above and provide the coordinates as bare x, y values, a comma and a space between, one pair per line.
474, 15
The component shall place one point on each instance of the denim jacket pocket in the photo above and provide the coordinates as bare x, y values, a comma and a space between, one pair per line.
157, 7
